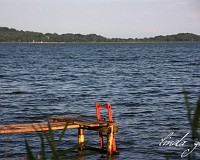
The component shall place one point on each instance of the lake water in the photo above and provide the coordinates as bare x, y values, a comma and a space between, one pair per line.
143, 82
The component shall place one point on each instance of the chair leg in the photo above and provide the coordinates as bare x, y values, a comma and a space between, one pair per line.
101, 140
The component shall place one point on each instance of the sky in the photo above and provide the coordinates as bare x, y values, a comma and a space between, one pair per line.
109, 18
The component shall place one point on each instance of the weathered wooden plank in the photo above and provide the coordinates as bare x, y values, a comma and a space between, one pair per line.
38, 127
34, 127
59, 122
82, 120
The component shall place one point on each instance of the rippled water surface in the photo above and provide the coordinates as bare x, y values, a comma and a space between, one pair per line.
143, 82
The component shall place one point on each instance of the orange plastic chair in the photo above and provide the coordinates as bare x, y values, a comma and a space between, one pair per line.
98, 113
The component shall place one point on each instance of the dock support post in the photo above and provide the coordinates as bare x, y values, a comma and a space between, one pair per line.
81, 138
110, 140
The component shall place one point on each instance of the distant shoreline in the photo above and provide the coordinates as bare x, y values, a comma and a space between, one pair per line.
10, 35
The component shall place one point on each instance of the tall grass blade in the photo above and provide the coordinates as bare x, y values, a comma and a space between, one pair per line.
43, 156
29, 152
51, 134
62, 134
196, 117
51, 142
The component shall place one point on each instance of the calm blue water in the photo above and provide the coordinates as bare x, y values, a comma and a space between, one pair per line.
143, 82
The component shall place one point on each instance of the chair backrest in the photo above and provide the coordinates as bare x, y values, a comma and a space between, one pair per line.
98, 113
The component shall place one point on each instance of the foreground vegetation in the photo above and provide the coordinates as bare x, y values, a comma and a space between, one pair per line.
194, 120
13, 35
53, 144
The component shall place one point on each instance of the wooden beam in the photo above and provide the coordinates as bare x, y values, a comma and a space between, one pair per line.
86, 121
43, 126
34, 127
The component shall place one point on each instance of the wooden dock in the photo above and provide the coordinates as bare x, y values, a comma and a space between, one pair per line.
79, 122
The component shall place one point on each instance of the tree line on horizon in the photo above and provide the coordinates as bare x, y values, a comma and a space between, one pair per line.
12, 35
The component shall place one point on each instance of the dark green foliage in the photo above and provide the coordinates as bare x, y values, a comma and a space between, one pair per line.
29, 152
177, 38
193, 120
13, 35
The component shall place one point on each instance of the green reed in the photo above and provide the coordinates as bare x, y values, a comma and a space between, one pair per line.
53, 144
193, 119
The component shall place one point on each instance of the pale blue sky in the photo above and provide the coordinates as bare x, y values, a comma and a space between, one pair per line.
109, 18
